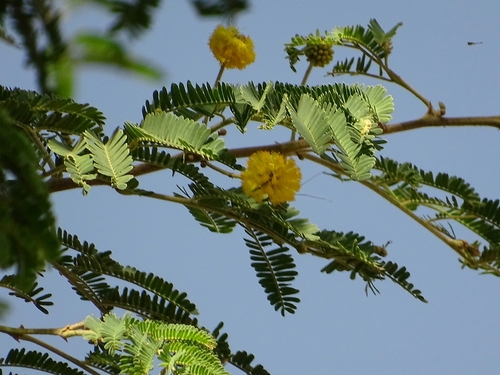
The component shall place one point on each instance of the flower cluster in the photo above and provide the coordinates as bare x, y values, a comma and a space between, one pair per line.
319, 54
232, 49
271, 174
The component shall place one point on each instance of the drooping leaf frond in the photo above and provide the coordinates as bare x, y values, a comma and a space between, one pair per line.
146, 306
38, 361
402, 184
275, 270
400, 276
214, 222
111, 159
353, 254
30, 295
243, 360
87, 271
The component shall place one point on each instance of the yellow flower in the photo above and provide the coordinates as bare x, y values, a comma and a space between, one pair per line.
232, 49
271, 174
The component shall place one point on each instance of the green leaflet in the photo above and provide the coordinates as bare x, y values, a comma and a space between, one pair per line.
169, 130
111, 159
381, 104
311, 122
110, 330
249, 94
78, 166
381, 37
355, 161
138, 343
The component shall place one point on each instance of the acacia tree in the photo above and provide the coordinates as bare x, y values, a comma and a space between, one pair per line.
60, 144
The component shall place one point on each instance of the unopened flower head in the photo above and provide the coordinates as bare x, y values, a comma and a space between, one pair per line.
232, 49
271, 174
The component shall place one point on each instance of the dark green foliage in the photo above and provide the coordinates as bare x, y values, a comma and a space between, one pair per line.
483, 219
27, 231
134, 16
29, 295
226, 8
222, 349
191, 102
405, 181
345, 67
38, 361
243, 360
37, 24
352, 35
363, 259
349, 255
275, 270
109, 50
86, 272
104, 361
212, 221
400, 276
49, 112
162, 159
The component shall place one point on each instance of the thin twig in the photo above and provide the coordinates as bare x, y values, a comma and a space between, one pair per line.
433, 121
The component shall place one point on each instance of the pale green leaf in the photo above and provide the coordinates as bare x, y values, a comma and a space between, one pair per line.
311, 123
112, 159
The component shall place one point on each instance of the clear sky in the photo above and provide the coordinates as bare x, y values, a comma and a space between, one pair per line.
337, 328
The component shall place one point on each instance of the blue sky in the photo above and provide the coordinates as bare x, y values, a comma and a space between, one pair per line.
337, 328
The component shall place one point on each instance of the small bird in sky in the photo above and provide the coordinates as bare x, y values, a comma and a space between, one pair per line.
473, 43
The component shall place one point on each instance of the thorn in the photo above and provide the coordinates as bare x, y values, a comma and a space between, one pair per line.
442, 109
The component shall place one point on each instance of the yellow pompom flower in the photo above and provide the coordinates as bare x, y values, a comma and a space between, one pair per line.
271, 174
232, 49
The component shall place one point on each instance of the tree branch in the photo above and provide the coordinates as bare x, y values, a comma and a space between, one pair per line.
68, 331
433, 121
61, 184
